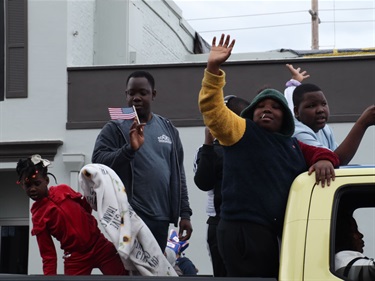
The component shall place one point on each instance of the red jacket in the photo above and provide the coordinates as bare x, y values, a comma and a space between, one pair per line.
65, 215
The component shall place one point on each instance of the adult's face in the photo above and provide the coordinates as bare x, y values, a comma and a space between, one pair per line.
140, 94
269, 115
313, 111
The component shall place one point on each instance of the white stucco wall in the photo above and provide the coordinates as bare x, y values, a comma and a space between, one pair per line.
80, 32
156, 34
114, 32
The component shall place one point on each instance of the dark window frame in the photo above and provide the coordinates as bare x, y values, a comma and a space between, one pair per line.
2, 50
16, 38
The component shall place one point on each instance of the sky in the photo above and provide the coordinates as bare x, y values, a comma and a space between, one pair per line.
267, 25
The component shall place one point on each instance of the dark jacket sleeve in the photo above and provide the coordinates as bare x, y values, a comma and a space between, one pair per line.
111, 147
206, 174
185, 210
313, 154
113, 150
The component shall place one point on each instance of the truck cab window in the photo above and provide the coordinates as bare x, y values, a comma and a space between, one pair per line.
354, 239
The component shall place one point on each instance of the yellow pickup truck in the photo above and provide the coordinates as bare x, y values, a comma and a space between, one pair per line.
308, 244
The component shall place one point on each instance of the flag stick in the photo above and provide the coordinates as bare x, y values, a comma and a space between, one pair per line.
136, 114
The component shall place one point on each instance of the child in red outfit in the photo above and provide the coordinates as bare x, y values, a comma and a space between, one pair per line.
63, 213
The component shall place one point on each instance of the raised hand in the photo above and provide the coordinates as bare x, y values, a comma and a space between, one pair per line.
367, 117
219, 53
297, 74
136, 135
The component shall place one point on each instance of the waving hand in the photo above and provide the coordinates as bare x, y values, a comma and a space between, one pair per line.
219, 53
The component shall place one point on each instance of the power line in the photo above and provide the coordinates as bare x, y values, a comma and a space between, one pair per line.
347, 21
282, 25
278, 13
346, 9
242, 16
256, 27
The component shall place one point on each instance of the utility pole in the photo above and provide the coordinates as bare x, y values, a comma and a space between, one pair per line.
314, 25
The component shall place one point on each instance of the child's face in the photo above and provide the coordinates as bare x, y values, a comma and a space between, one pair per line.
269, 115
36, 187
313, 110
356, 237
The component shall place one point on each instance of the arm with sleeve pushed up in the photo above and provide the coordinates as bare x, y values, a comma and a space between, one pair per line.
347, 149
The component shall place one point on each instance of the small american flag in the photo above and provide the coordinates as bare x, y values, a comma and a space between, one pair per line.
122, 113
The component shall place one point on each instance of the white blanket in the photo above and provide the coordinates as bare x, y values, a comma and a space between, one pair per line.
139, 250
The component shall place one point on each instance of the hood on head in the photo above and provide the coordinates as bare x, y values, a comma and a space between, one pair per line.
287, 128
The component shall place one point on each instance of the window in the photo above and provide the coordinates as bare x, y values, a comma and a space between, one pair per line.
14, 247
2, 40
353, 238
14, 34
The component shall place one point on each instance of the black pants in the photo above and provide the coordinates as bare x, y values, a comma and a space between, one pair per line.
217, 262
159, 229
248, 249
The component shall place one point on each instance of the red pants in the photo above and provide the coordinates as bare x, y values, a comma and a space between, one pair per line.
103, 256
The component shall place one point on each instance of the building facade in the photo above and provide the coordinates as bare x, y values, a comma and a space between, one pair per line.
66, 61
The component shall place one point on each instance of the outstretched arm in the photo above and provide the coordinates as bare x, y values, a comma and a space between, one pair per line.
223, 123
350, 144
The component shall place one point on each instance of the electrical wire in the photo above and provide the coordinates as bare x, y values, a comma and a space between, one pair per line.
278, 13
255, 27
282, 25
